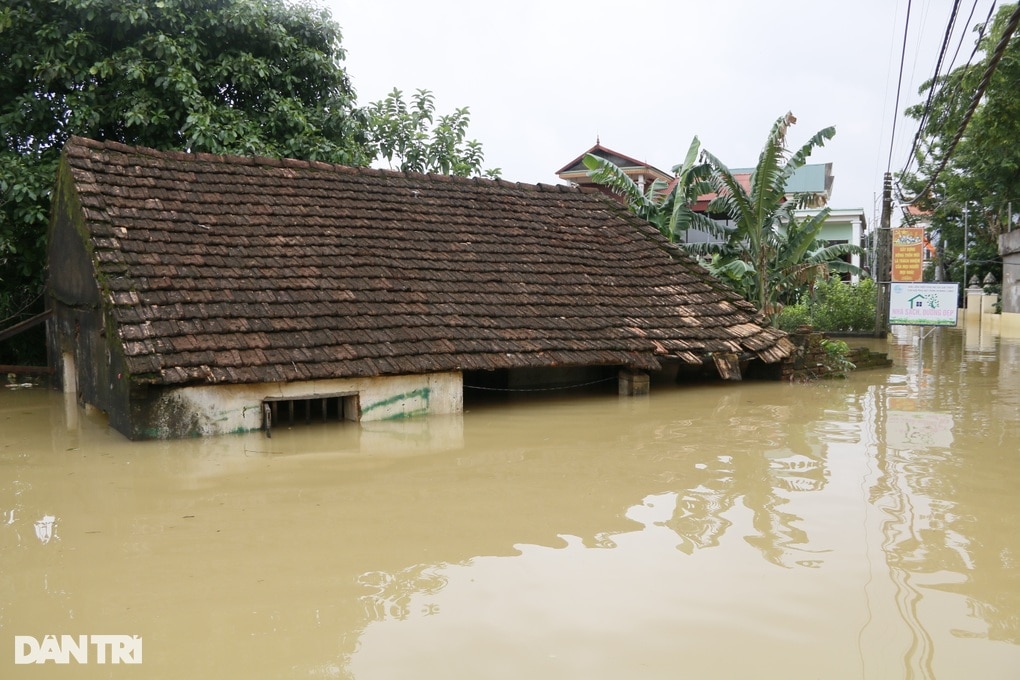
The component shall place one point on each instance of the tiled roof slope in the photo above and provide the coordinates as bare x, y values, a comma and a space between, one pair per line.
229, 269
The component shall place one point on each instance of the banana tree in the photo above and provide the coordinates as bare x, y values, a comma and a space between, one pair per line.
794, 258
766, 252
664, 204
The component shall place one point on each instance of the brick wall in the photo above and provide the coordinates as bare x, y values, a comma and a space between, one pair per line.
810, 360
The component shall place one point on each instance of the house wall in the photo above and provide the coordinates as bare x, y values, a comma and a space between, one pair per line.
76, 330
836, 231
79, 352
1009, 325
1009, 248
204, 410
845, 226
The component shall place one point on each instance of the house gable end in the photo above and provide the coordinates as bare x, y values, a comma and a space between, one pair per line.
67, 241
577, 169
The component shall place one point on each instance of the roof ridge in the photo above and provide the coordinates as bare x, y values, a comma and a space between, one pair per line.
301, 164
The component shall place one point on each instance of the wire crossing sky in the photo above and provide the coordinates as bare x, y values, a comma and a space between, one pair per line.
544, 80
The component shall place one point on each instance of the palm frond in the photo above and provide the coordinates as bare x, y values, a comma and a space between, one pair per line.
799, 158
732, 196
768, 181
844, 267
610, 175
706, 249
684, 219
832, 254
690, 164
734, 269
802, 235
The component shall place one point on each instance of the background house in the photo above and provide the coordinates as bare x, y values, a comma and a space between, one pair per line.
200, 294
576, 173
844, 226
813, 181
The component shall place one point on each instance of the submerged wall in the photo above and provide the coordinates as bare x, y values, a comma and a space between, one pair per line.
1010, 325
811, 360
1009, 248
220, 409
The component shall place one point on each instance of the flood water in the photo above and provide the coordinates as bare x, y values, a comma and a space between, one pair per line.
865, 528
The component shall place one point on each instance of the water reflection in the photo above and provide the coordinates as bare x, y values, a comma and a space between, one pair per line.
947, 459
852, 529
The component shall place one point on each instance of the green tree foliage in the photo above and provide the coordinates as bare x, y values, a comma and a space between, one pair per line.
768, 254
238, 76
983, 173
410, 137
837, 358
251, 77
833, 306
24, 191
666, 205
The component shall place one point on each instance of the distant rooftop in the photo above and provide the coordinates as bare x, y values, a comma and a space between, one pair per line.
813, 178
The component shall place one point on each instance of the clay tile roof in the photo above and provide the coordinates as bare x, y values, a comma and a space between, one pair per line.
231, 269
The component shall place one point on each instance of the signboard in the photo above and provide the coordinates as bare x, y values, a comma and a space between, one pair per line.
908, 254
923, 304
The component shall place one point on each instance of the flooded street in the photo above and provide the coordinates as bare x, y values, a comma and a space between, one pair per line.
865, 528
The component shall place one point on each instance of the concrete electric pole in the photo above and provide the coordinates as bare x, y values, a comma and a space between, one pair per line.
883, 256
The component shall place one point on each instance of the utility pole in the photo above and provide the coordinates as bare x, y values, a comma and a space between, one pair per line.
883, 255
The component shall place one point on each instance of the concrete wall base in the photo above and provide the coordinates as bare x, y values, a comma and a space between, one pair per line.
220, 409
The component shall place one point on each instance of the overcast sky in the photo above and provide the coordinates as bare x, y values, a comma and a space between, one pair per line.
544, 78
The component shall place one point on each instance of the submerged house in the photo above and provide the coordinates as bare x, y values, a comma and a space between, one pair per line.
196, 294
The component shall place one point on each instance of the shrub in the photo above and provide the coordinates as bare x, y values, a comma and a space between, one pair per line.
841, 306
794, 316
834, 306
837, 359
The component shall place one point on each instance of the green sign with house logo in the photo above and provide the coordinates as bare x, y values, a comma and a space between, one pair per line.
923, 304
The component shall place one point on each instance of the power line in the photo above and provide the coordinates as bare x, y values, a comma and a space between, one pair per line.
986, 79
950, 25
899, 87
956, 94
963, 34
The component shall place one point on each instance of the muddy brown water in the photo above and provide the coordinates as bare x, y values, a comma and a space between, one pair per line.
865, 528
